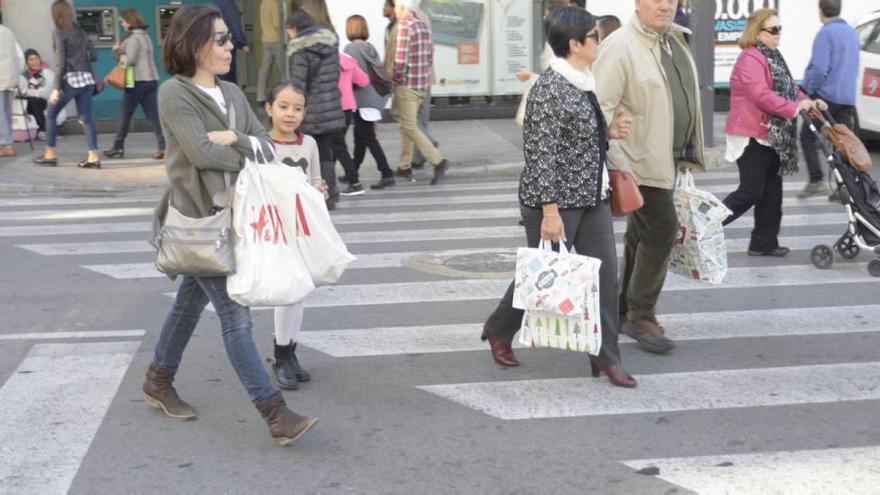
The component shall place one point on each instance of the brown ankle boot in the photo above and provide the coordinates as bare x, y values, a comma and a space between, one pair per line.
158, 392
284, 424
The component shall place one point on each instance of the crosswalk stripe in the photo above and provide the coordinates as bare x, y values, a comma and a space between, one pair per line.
378, 260
831, 471
51, 408
100, 334
680, 326
79, 200
668, 392
475, 290
74, 229
32, 215
837, 218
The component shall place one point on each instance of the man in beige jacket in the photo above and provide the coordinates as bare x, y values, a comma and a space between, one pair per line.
645, 68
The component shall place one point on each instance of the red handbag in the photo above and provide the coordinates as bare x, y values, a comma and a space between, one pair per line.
625, 195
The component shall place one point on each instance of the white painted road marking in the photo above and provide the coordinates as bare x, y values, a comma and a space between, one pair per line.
74, 229
101, 334
51, 408
378, 260
74, 214
826, 471
681, 327
668, 392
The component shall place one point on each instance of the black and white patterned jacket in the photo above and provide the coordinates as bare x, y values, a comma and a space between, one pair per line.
564, 141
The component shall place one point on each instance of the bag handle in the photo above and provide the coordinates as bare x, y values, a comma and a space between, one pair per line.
685, 181
547, 245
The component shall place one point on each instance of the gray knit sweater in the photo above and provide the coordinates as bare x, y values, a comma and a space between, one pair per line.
136, 50
195, 166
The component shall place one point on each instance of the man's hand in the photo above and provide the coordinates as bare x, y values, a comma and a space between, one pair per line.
523, 74
246, 49
821, 105
620, 125
224, 138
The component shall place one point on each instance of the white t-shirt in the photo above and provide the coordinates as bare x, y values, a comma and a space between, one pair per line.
217, 95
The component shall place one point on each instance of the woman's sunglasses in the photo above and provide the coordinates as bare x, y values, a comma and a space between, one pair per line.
773, 30
223, 39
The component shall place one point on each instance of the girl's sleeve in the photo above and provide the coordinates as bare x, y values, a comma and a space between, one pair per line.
314, 164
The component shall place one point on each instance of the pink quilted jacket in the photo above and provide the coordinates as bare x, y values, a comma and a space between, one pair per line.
752, 99
350, 73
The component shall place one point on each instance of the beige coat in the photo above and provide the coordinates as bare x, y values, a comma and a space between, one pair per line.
629, 75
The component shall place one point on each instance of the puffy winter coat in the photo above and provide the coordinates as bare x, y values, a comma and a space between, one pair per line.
313, 58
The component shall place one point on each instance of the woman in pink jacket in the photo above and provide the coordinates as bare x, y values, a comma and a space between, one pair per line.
761, 130
349, 75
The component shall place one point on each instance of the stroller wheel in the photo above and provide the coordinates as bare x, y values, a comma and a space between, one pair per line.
847, 247
874, 267
822, 257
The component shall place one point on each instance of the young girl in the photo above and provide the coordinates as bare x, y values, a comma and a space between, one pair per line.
286, 107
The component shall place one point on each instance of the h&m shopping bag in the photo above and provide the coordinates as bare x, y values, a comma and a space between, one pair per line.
581, 332
550, 281
320, 246
699, 252
270, 271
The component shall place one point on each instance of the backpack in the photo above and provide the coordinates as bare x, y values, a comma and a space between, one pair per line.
379, 77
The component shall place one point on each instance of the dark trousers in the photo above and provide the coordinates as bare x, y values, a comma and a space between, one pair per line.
760, 185
591, 231
650, 234
328, 162
843, 114
37, 108
364, 139
340, 151
145, 94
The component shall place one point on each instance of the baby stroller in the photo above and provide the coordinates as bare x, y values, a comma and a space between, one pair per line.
849, 163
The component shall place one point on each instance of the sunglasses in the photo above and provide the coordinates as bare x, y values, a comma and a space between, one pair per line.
223, 39
773, 30
594, 35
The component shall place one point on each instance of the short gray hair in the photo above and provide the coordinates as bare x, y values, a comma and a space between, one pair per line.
408, 4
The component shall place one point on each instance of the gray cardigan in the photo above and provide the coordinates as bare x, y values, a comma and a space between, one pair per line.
196, 166
136, 50
362, 52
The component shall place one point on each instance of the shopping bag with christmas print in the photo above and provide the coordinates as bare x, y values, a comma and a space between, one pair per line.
552, 282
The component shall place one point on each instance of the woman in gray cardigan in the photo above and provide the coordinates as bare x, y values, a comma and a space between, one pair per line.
369, 103
136, 51
207, 123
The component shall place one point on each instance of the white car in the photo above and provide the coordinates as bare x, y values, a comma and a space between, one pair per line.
868, 94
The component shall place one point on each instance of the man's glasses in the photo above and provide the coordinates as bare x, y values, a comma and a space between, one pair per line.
223, 39
773, 30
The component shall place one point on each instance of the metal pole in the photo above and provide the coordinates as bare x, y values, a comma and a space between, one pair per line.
703, 47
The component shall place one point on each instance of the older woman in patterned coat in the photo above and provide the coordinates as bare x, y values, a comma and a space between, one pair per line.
564, 189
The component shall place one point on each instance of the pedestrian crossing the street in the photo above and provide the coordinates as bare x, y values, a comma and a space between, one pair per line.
763, 300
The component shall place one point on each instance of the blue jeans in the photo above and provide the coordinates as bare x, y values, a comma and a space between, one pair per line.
6, 117
235, 323
145, 94
83, 97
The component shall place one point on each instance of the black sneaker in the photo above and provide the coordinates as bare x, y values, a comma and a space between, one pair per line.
355, 189
383, 183
405, 173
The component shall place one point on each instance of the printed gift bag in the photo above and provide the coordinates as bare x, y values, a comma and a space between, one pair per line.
552, 282
699, 252
581, 332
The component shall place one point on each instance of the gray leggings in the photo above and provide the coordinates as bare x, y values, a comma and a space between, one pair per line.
591, 231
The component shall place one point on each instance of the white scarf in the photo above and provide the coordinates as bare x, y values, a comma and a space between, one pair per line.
582, 80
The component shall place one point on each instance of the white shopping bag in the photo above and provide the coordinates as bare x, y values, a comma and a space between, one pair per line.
699, 252
581, 332
320, 246
552, 282
270, 271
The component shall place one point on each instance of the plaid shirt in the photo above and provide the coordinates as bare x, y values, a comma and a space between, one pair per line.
79, 79
414, 55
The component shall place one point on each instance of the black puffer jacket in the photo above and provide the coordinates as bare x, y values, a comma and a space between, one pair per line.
314, 66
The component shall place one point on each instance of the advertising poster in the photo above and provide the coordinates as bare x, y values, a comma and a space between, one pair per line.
461, 46
511, 44
731, 17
